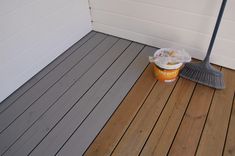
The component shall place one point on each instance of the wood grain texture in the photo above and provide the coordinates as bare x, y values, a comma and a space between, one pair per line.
188, 135
164, 131
214, 133
136, 135
123, 116
229, 149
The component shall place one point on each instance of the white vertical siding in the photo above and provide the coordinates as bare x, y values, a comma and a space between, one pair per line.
33, 33
186, 24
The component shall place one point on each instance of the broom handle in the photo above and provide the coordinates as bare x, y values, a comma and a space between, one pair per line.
215, 31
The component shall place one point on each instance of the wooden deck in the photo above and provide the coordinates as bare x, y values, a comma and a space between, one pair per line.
100, 98
182, 118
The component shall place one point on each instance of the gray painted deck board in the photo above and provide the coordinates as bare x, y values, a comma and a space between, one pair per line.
84, 135
58, 111
34, 112
86, 104
25, 101
96, 74
19, 92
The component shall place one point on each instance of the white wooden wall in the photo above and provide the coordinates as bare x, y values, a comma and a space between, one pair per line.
186, 24
35, 32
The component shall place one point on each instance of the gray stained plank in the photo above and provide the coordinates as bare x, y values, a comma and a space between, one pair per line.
32, 95
82, 108
25, 144
83, 136
35, 79
21, 124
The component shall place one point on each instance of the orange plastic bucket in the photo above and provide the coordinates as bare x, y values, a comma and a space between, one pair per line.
167, 63
165, 75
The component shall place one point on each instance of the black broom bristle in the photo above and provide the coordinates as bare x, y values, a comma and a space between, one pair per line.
203, 74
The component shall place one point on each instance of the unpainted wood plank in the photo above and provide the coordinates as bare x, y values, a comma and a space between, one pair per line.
34, 93
120, 120
84, 135
214, 133
139, 130
35, 79
18, 127
164, 131
190, 130
229, 149
80, 109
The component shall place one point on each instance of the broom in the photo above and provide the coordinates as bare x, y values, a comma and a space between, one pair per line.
203, 72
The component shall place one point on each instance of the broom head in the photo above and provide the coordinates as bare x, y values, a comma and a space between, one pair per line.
203, 73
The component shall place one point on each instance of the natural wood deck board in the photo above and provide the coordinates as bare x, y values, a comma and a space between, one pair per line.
189, 132
144, 121
165, 128
229, 149
214, 133
179, 128
66, 109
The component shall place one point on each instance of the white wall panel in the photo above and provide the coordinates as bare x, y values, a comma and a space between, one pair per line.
33, 33
184, 24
